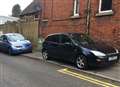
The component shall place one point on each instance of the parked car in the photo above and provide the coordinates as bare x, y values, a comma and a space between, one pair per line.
79, 49
14, 43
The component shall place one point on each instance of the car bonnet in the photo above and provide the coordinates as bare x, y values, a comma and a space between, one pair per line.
100, 46
19, 42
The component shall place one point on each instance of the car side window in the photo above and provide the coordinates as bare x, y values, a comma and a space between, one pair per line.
1, 38
4, 38
54, 38
65, 39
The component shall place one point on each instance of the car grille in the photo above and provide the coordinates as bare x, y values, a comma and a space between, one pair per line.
113, 57
27, 45
112, 54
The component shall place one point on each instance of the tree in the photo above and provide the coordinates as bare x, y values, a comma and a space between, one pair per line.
16, 10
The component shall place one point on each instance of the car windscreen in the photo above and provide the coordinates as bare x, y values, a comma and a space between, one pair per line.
15, 37
81, 39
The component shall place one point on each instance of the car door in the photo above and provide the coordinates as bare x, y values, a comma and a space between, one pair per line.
53, 46
67, 48
4, 43
1, 43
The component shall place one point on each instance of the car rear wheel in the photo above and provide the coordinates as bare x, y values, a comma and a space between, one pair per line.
45, 55
81, 62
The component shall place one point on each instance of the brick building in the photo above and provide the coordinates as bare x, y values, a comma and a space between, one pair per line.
99, 18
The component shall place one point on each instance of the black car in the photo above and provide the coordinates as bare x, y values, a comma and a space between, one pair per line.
79, 49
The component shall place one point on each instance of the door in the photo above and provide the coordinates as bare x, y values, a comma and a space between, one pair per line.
67, 48
1, 43
4, 43
53, 46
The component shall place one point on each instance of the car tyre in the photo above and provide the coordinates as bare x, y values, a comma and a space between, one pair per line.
81, 62
45, 55
30, 51
10, 51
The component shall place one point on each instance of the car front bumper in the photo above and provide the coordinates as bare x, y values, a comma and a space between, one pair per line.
22, 50
108, 60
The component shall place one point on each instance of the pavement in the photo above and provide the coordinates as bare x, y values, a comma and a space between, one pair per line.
111, 73
34, 55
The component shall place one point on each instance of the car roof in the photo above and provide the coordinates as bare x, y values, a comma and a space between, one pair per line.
68, 34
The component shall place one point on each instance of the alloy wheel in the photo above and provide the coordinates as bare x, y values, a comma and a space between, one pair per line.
81, 62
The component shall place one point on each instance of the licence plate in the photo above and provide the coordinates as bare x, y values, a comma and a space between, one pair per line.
112, 58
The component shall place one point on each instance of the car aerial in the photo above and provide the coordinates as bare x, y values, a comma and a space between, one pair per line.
14, 43
79, 49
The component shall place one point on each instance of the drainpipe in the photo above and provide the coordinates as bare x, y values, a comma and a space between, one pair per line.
88, 17
39, 25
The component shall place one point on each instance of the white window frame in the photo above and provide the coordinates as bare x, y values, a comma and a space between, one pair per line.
36, 18
106, 11
76, 8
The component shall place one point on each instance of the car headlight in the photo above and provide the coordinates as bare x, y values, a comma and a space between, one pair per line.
98, 54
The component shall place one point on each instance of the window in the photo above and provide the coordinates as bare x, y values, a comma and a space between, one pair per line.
54, 38
105, 6
3, 38
15, 37
76, 8
36, 17
65, 39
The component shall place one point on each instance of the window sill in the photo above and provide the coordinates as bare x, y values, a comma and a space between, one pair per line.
105, 13
75, 16
45, 20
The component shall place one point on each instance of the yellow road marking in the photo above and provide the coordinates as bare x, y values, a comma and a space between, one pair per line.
86, 78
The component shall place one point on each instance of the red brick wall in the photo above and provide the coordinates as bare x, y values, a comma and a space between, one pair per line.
106, 28
59, 12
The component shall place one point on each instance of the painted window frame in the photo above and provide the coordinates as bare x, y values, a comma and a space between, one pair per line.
100, 7
36, 17
76, 7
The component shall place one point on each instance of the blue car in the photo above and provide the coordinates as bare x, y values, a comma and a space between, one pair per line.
14, 43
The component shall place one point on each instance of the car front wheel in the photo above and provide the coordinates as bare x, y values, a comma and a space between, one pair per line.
81, 62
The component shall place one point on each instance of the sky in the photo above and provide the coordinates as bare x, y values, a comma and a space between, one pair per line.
6, 6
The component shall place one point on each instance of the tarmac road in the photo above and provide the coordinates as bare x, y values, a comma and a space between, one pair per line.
17, 71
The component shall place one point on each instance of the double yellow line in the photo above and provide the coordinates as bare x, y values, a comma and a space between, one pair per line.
86, 78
